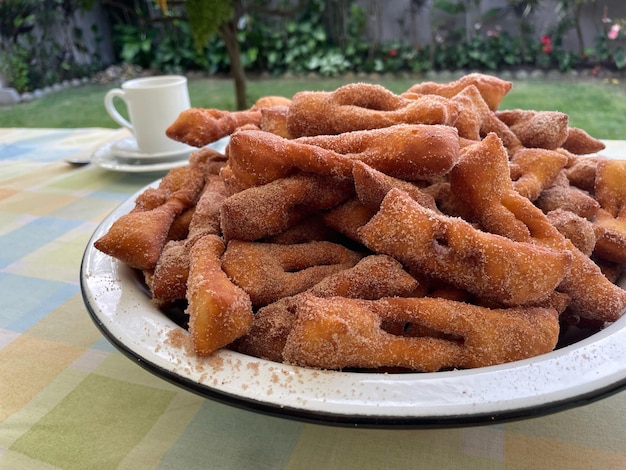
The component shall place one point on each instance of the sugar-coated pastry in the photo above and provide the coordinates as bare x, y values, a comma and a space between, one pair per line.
363, 106
364, 229
268, 272
338, 333
219, 311
492, 89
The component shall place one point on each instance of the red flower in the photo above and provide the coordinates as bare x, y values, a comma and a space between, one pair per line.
547, 44
393, 52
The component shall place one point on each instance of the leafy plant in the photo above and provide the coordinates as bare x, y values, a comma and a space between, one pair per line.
15, 67
39, 42
134, 43
17, 19
176, 52
609, 52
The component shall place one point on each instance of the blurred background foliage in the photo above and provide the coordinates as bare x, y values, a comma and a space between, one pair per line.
41, 42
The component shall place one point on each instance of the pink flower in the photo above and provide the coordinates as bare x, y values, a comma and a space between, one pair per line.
614, 31
547, 44
393, 52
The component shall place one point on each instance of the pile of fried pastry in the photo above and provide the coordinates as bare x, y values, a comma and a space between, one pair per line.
363, 229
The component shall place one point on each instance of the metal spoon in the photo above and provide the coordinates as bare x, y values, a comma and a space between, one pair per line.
77, 161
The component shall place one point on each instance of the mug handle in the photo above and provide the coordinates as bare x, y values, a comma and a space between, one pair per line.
113, 112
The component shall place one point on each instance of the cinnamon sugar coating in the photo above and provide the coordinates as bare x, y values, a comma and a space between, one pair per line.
410, 151
363, 106
359, 228
492, 89
219, 311
268, 272
489, 266
337, 333
138, 237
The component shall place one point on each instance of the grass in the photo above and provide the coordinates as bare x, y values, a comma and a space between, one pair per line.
598, 107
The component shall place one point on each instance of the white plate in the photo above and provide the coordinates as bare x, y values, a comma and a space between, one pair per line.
577, 374
126, 147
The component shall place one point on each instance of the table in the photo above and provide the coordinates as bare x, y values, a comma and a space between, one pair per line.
69, 400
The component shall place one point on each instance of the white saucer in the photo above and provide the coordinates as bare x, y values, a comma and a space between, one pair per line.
126, 147
105, 157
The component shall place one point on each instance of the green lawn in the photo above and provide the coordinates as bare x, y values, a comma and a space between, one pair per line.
598, 107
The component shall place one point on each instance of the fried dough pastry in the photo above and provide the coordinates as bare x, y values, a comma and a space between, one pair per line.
349, 217
610, 235
447, 200
137, 238
180, 225
373, 277
199, 126
610, 221
274, 120
172, 269
577, 229
482, 178
310, 229
581, 172
579, 142
183, 184
169, 279
537, 129
338, 333
206, 218
219, 311
410, 151
362, 106
270, 328
271, 102
262, 211
491, 88
610, 186
592, 295
476, 119
414, 152
213, 160
372, 186
533, 170
450, 249
268, 272
365, 229
563, 196
470, 120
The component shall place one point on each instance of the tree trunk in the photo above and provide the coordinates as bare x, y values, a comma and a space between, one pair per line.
228, 32
579, 32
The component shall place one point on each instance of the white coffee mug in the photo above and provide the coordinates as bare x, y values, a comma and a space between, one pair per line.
153, 104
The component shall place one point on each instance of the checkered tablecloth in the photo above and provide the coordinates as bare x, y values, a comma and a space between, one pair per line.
69, 400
